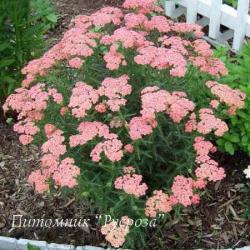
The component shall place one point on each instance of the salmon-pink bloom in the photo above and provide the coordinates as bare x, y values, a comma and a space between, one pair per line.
101, 108
76, 62
131, 184
129, 148
115, 232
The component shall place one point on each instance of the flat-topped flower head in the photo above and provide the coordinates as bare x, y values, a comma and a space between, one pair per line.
106, 16
208, 123
115, 89
82, 99
142, 6
131, 183
159, 202
115, 232
66, 173
234, 98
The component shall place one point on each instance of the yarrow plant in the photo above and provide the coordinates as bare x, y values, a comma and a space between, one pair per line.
116, 109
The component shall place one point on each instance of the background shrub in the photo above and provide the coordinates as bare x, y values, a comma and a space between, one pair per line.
231, 2
238, 136
22, 28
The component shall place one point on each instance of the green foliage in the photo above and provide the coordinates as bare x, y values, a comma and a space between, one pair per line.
22, 28
31, 247
238, 136
44, 11
231, 2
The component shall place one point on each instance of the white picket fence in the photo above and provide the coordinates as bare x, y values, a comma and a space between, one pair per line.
214, 14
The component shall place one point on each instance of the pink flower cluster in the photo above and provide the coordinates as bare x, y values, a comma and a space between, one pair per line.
115, 89
183, 192
66, 173
159, 202
112, 147
115, 232
63, 172
154, 100
160, 23
176, 43
202, 48
204, 60
39, 180
182, 189
105, 16
208, 169
135, 20
162, 58
140, 126
30, 104
141, 21
88, 131
85, 96
175, 55
75, 43
27, 129
128, 38
143, 6
234, 98
129, 148
176, 105
54, 144
188, 28
76, 62
102, 17
179, 106
130, 183
114, 59
82, 99
210, 65
207, 123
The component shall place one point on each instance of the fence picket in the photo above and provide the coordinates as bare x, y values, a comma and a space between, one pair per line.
240, 27
192, 11
169, 8
215, 19
214, 14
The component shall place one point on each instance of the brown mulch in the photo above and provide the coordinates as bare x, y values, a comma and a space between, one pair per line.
68, 9
18, 198
218, 222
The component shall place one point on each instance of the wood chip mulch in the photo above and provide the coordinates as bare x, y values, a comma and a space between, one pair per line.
219, 221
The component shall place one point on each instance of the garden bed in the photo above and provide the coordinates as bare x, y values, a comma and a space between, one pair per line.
217, 222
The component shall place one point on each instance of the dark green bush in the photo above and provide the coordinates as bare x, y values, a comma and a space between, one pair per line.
23, 24
238, 137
